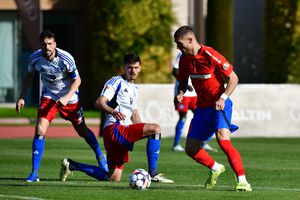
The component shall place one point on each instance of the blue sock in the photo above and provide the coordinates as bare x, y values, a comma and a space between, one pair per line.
91, 170
92, 141
38, 145
153, 148
178, 131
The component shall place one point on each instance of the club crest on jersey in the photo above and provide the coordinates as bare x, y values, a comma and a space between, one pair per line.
125, 90
226, 66
131, 101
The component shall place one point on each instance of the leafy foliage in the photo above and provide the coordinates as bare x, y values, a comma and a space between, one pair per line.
219, 26
294, 58
282, 41
139, 26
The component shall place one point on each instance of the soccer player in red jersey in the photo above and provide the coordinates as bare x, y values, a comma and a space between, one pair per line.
188, 102
209, 72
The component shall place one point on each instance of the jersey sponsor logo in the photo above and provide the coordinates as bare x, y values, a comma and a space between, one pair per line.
226, 66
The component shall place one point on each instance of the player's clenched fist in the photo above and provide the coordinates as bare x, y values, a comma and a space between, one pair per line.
19, 105
177, 99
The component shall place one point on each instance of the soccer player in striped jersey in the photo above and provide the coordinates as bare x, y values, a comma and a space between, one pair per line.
60, 80
122, 127
214, 81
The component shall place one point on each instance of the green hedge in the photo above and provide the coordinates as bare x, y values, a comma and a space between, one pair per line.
282, 41
140, 26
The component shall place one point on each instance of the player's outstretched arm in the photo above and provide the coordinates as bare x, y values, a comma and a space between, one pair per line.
21, 102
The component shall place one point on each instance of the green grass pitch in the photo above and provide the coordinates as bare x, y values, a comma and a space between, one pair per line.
272, 167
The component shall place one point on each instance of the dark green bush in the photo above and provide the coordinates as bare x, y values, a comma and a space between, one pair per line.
140, 26
281, 42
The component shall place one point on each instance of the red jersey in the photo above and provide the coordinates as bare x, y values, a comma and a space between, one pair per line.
207, 70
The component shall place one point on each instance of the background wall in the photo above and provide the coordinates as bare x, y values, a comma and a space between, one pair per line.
259, 110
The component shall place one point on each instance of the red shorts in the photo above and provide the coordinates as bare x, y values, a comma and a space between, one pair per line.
186, 104
118, 140
71, 112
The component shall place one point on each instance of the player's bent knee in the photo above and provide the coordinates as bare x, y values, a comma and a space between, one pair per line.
223, 134
156, 128
81, 129
40, 131
190, 151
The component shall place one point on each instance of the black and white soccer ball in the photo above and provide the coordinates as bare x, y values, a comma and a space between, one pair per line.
139, 179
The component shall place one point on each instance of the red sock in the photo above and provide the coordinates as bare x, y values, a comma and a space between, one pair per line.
233, 157
204, 158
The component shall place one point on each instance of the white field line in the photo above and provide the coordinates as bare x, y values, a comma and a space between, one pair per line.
253, 188
20, 197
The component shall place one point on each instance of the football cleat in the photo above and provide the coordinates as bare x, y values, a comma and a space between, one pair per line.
243, 187
161, 179
207, 147
65, 169
33, 177
213, 177
177, 147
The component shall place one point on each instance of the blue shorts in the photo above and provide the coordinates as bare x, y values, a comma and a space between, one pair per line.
207, 121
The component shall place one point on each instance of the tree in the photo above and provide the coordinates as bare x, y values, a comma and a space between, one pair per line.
219, 26
281, 40
140, 26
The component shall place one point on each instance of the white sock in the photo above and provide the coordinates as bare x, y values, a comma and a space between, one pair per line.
242, 179
216, 167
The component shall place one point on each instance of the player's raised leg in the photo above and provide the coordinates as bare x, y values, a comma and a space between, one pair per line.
194, 151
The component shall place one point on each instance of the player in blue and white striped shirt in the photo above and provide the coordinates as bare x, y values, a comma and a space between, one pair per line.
60, 80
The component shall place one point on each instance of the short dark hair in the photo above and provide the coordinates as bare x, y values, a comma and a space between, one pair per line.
131, 58
47, 34
182, 31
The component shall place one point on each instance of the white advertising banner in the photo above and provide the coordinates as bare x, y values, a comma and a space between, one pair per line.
260, 110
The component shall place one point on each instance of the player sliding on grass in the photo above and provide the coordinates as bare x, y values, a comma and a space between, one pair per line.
209, 72
122, 128
60, 80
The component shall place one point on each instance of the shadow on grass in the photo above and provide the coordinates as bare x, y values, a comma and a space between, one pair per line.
104, 185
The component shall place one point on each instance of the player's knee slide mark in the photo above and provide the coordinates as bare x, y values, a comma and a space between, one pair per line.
156, 136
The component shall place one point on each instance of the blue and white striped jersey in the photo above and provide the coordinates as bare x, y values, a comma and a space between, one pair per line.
57, 75
122, 96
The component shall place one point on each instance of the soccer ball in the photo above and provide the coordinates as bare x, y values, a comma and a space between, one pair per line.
139, 179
